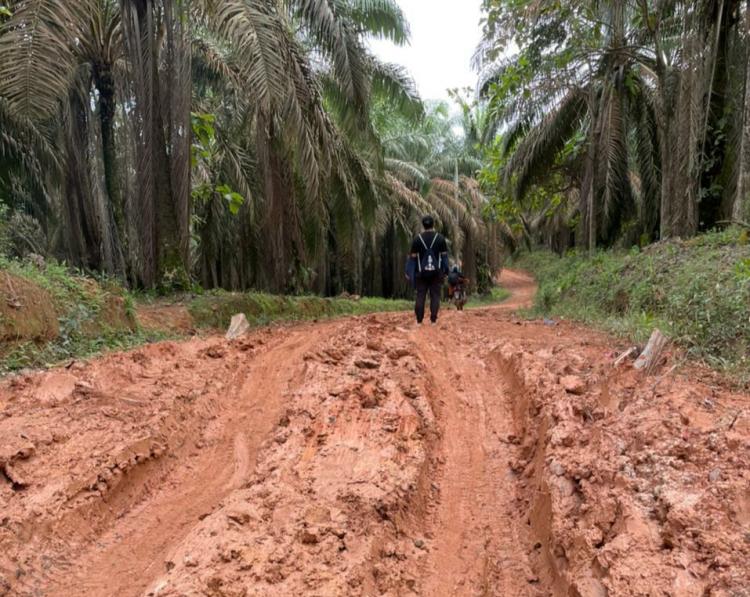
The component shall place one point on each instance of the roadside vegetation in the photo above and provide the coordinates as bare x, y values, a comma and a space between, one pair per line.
49, 314
623, 123
496, 295
247, 146
215, 309
697, 291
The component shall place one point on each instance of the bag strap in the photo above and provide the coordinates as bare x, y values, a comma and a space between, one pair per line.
432, 244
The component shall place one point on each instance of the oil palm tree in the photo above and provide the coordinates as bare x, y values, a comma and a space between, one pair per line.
631, 99
280, 66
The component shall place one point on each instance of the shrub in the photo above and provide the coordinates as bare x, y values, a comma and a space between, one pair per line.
697, 290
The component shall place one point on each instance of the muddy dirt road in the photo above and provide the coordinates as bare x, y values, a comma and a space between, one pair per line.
482, 457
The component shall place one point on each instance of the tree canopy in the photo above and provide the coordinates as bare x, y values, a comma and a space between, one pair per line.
623, 121
236, 144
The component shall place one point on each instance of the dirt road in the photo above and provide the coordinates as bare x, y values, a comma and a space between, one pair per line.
484, 456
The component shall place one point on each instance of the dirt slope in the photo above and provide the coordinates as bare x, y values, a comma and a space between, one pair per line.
366, 456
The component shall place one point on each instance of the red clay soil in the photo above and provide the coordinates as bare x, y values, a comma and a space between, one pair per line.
366, 456
170, 318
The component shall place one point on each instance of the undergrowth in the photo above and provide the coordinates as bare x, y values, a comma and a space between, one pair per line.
497, 294
93, 316
25, 355
697, 291
215, 309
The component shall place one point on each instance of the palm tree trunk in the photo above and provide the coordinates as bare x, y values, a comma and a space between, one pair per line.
105, 84
588, 196
82, 222
162, 110
741, 200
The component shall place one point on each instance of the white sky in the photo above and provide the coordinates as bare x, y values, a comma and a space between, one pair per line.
444, 35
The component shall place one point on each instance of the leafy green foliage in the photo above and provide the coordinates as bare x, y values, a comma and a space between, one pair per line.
204, 158
94, 315
697, 291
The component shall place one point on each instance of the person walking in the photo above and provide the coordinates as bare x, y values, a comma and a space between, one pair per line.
427, 267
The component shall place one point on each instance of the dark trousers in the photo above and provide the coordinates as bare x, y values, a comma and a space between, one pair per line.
432, 285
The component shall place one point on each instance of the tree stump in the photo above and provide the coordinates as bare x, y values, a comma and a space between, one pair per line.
650, 358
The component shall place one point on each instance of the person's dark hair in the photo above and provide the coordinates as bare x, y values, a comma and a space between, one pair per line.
428, 223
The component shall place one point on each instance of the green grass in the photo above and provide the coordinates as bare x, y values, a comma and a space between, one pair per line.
66, 288
696, 291
30, 355
215, 309
496, 295
94, 316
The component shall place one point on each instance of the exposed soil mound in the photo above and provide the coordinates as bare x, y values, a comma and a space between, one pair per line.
27, 311
484, 456
48, 314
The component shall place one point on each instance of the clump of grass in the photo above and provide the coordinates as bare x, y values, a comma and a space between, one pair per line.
215, 309
697, 291
31, 355
93, 315
497, 295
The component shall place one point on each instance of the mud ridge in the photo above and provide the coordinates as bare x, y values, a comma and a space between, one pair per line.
627, 487
486, 456
329, 507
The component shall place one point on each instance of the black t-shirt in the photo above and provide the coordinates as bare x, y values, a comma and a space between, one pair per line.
440, 246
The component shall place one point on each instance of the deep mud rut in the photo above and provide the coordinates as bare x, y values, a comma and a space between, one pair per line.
482, 457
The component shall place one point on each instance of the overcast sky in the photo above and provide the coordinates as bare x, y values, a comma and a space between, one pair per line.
444, 35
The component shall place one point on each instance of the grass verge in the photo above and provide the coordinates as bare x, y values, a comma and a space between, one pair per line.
215, 309
496, 296
49, 314
697, 291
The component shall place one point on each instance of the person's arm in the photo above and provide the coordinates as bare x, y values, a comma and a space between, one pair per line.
411, 263
411, 268
414, 249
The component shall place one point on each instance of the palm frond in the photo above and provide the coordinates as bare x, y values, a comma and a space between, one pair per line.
383, 19
38, 48
394, 83
409, 172
537, 151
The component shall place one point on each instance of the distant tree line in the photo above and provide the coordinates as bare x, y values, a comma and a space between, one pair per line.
234, 143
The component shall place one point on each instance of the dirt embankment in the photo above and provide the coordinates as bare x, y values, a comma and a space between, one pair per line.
485, 456
51, 307
27, 311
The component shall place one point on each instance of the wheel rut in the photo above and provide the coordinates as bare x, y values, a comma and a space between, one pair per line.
479, 543
483, 457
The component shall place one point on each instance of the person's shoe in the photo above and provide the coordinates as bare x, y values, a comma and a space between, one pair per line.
433, 322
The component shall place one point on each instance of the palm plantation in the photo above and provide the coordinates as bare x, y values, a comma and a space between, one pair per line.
240, 144
624, 122
263, 145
